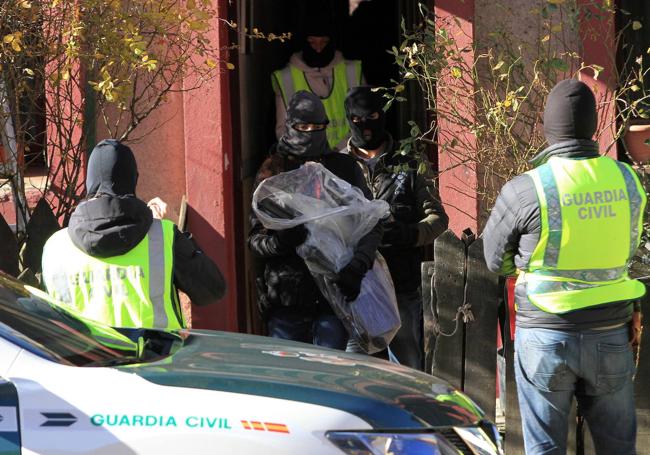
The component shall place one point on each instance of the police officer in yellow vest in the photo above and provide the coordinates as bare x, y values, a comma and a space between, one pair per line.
570, 227
116, 263
321, 69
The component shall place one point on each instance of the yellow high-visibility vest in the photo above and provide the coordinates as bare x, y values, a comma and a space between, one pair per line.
347, 74
591, 223
131, 290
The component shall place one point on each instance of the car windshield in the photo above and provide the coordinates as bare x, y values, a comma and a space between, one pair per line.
31, 320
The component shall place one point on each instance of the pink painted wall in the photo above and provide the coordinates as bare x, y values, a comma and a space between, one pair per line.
210, 184
458, 182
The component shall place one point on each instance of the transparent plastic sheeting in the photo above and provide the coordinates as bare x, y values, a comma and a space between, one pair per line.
337, 215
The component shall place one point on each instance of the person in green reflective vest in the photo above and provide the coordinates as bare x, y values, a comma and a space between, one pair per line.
118, 264
570, 227
320, 69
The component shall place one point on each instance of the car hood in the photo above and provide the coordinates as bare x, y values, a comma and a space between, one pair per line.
387, 396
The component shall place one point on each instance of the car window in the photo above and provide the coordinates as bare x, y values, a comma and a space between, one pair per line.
30, 319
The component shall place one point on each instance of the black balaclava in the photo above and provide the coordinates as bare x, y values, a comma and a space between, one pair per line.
362, 102
570, 112
111, 170
318, 25
304, 107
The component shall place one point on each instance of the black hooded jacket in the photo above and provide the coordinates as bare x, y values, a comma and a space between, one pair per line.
513, 229
414, 200
113, 220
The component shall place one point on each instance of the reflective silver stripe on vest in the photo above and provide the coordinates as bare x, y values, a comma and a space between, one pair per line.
288, 89
635, 202
554, 216
351, 74
157, 273
543, 287
590, 275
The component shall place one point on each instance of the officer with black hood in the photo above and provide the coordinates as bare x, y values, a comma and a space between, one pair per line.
321, 69
417, 216
288, 297
115, 263
569, 229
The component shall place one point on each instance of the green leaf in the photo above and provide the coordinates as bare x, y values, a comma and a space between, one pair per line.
647, 142
558, 64
422, 168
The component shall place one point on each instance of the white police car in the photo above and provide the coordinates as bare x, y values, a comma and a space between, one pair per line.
71, 386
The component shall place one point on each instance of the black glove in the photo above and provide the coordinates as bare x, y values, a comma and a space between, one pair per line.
349, 279
292, 237
398, 233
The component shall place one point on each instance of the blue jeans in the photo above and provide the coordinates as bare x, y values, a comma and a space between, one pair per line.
595, 366
321, 328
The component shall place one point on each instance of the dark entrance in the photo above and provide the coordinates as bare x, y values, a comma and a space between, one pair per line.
365, 30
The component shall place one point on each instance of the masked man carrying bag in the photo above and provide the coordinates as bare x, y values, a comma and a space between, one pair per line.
288, 297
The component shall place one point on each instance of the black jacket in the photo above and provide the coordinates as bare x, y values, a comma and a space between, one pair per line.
283, 278
110, 225
414, 200
512, 233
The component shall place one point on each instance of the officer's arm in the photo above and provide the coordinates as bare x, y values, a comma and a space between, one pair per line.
501, 234
433, 219
195, 273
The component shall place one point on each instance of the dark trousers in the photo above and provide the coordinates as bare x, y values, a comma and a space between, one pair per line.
319, 326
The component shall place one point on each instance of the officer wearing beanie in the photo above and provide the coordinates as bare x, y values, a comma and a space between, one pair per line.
115, 263
322, 70
570, 227
288, 297
417, 216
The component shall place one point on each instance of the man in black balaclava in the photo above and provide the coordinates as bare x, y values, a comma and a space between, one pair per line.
288, 298
569, 229
417, 216
118, 265
322, 70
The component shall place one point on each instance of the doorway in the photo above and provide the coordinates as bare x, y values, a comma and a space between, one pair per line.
364, 30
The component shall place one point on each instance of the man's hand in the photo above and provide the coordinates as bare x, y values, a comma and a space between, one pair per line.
158, 208
349, 279
292, 237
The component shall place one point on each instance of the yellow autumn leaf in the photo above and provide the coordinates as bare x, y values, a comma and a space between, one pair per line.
8, 38
15, 45
25, 4
210, 63
556, 2
556, 28
230, 66
636, 25
456, 72
546, 38
29, 71
399, 88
